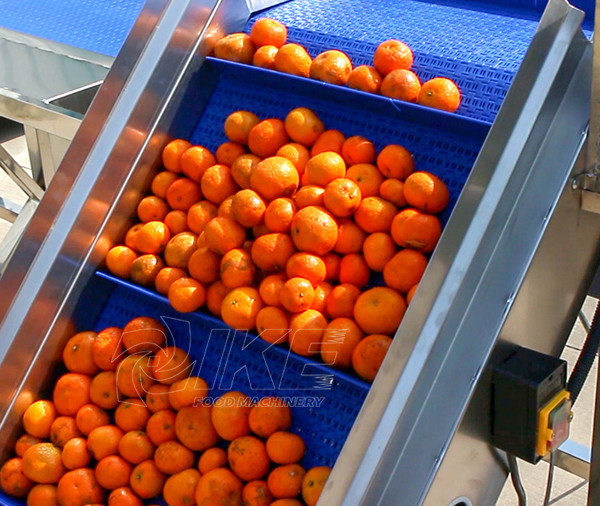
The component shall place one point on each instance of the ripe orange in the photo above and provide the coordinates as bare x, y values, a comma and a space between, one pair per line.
270, 287
204, 265
131, 236
391, 55
269, 415
379, 310
132, 414
266, 137
171, 154
286, 481
153, 237
200, 214
414, 229
365, 78
166, 277
324, 168
42, 463
119, 260
293, 59
183, 194
180, 489
63, 429
240, 307
350, 238
341, 300
238, 124
426, 192
75, 453
42, 494
217, 183
38, 418
194, 162
230, 415
297, 294
172, 457
331, 67
134, 376
367, 177
194, 428
157, 398
71, 392
274, 177
306, 332
176, 221
411, 293
279, 214
187, 391
339, 340
272, 324
179, 249
295, 153
13, 480
242, 167
152, 208
143, 334
212, 458
354, 270
392, 190
103, 390
401, 84
145, 268
171, 364
440, 93
329, 140
146, 480
112, 472
247, 457
89, 417
104, 441
313, 483
161, 182
248, 208
375, 214
322, 292
268, 32
24, 442
332, 263
314, 230
270, 252
404, 270
285, 447
219, 486
309, 195
123, 496
224, 234
378, 249
357, 149
342, 197
307, 266
256, 493
369, 354
237, 269
215, 294
79, 487
303, 125
265, 57
228, 152
159, 429
236, 47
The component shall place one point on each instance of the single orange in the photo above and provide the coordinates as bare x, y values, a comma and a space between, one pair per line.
152, 208
265, 57
322, 292
119, 261
187, 391
307, 266
230, 415
378, 249
63, 429
329, 140
339, 340
404, 270
123, 496
369, 354
312, 484
342, 197
236, 47
161, 182
166, 277
440, 93
159, 429
153, 237
270, 287
219, 486
215, 294
375, 214
279, 214
357, 149
131, 414
194, 428
42, 463
238, 124
171, 364
112, 472
180, 488
309, 195
306, 332
142, 334
186, 295
108, 348
146, 480
350, 238
204, 265
365, 78
38, 418
426, 192
354, 270
392, 190
367, 177
103, 390
45, 495
240, 307
75, 453
89, 417
340, 303
269, 415
285, 447
79, 487
256, 493
286, 481
271, 252
242, 167
224, 234
157, 398
212, 458
131, 236
295, 153
248, 208
171, 154
331, 66
391, 55
379, 310
217, 183
194, 162
297, 294
268, 32
401, 84
179, 249
104, 441
303, 125
414, 229
228, 152
71, 392
266, 137
172, 457
314, 230
324, 168
145, 268
293, 59
274, 177
272, 324
13, 480
247, 457
183, 194
200, 214
134, 376
237, 268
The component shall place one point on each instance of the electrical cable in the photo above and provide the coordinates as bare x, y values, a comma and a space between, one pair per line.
516, 479
549, 480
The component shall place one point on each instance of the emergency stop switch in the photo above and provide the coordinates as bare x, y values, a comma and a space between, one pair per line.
531, 408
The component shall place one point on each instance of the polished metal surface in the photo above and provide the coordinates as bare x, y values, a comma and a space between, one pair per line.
109, 163
402, 434
574, 458
13, 170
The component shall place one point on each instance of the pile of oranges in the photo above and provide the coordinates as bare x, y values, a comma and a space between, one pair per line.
284, 238
128, 423
390, 75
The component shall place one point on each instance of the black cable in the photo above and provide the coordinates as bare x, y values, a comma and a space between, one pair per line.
549, 481
586, 357
516, 479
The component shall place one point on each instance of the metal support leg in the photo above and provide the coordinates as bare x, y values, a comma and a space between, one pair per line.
19, 176
35, 158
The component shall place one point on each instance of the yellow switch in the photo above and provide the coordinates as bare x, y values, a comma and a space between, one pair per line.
553, 423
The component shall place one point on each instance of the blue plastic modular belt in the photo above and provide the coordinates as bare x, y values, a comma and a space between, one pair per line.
479, 46
96, 25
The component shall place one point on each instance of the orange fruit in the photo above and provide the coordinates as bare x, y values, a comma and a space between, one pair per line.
179, 249
401, 84
42, 463
314, 230
172, 457
303, 125
270, 287
217, 183
266, 137
228, 152
285, 447
272, 324
171, 364
365, 78
274, 177
414, 229
324, 168
194, 162
237, 269
63, 429
339, 340
224, 234
161, 182
367, 177
166, 277
238, 124
153, 237
143, 334
265, 57
392, 190
75, 453
42, 494
248, 208
426, 192
256, 493
134, 376
215, 294
71, 392
297, 294
183, 194
329, 140
212, 458
369, 354
13, 480
404, 270
145, 268
375, 214
194, 428
354, 270
440, 93
307, 266
135, 446
322, 292
200, 214
152, 208
268, 32
131, 236
176, 221
119, 261
157, 398
309, 195
103, 390
24, 442
230, 415
350, 238
38, 418
331, 66
270, 252
286, 502
312, 484
357, 149
248, 458
132, 414
78, 488
104, 441
112, 472
180, 489
187, 391
204, 265
219, 486
379, 310
123, 496
295, 153
391, 55
286, 481
342, 197
279, 214
378, 249
306, 332
240, 307
159, 429
146, 480
242, 167
236, 47
332, 265
107, 348
171, 154
269, 415
293, 59
411, 293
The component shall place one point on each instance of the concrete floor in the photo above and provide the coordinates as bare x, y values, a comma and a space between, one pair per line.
568, 490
